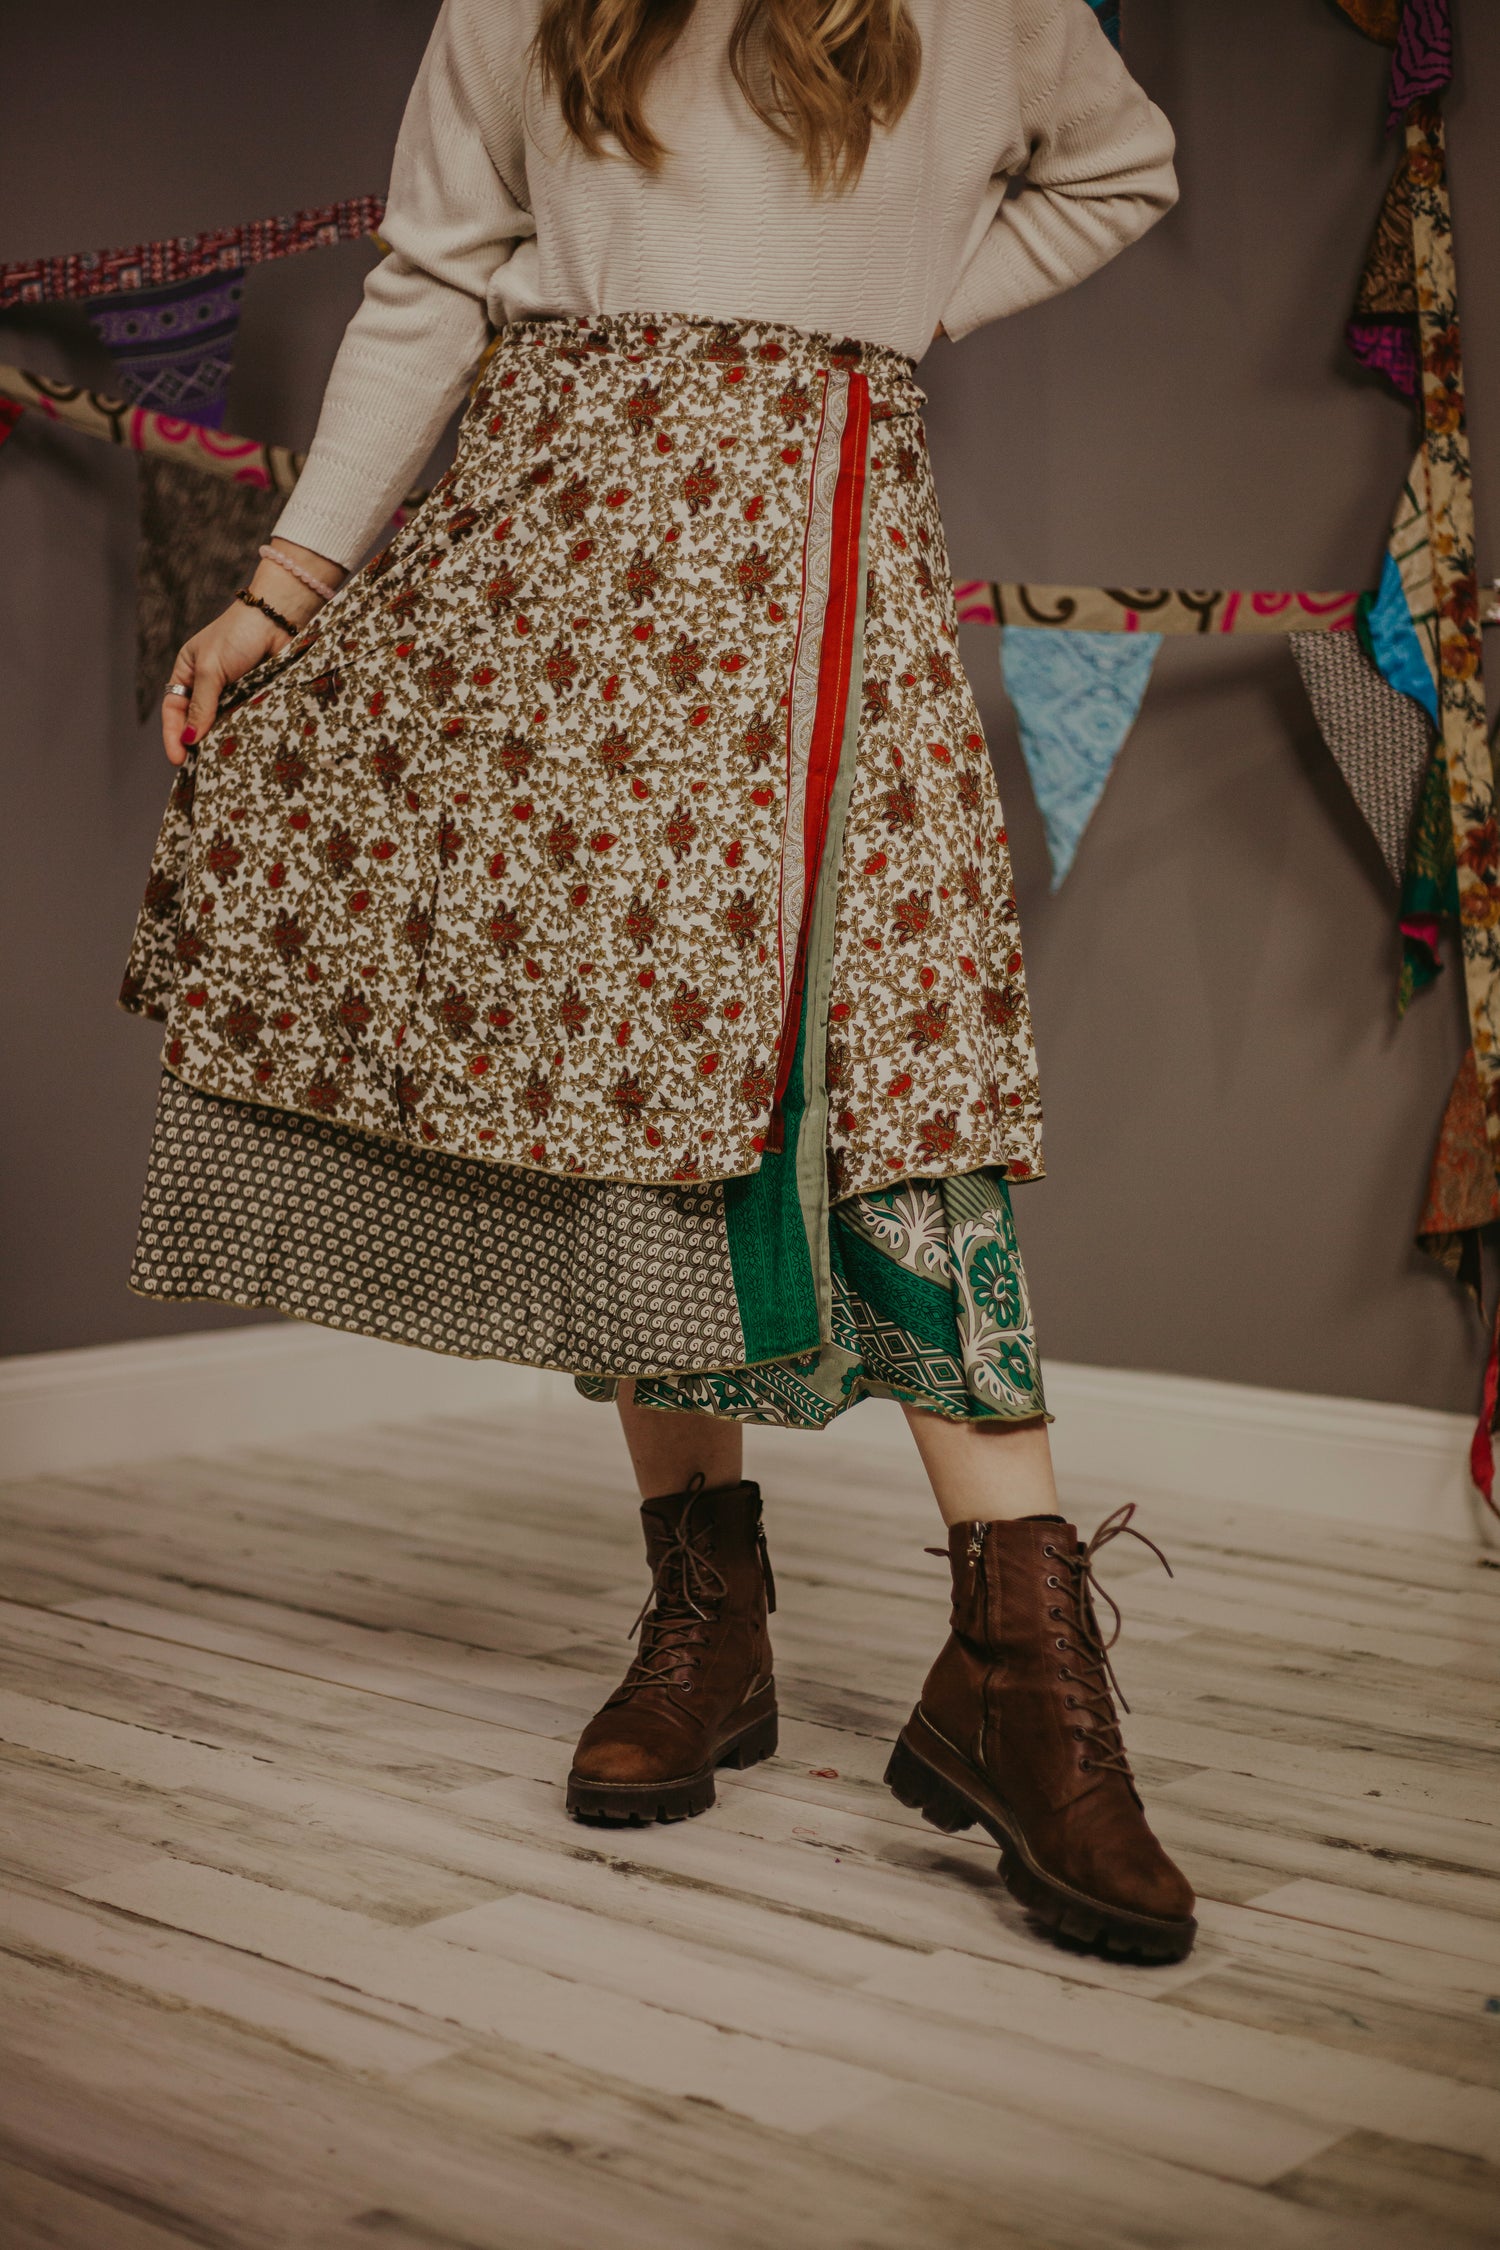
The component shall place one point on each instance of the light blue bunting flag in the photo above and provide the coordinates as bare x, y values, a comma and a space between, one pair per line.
1075, 696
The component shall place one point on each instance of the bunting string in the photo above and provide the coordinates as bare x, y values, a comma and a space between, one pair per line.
153, 265
1140, 609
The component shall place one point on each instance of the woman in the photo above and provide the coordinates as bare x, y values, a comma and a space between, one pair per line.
585, 935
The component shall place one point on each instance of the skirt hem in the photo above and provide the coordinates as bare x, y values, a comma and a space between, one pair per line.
862, 1389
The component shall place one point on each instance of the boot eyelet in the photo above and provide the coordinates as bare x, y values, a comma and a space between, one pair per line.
1084, 1766
1054, 1581
1060, 1644
1070, 1703
1050, 1553
1054, 1613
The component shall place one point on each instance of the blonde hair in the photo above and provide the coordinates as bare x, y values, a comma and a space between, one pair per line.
820, 73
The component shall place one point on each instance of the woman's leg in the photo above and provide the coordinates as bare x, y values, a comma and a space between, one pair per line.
985, 1472
668, 1450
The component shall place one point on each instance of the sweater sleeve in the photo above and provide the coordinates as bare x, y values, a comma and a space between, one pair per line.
456, 211
1098, 171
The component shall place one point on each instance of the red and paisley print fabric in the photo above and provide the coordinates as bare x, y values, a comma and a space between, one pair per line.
496, 858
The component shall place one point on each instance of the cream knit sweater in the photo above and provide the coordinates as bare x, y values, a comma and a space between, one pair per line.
496, 214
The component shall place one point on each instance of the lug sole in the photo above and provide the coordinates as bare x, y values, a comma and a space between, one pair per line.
927, 1774
680, 1797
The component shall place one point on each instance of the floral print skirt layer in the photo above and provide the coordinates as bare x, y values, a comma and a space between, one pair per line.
592, 942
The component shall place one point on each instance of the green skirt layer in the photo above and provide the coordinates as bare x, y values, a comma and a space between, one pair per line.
929, 1306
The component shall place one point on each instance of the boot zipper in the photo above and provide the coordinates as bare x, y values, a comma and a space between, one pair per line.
766, 1573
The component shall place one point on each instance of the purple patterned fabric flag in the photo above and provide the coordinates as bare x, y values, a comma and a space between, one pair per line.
1423, 61
174, 346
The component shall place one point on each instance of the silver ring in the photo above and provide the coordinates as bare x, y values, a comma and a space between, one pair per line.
174, 689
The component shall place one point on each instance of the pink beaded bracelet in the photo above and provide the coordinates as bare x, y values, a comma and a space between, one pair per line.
295, 570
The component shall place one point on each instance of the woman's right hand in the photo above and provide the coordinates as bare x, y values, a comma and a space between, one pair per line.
225, 650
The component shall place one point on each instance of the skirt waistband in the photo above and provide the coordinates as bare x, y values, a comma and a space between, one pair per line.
742, 350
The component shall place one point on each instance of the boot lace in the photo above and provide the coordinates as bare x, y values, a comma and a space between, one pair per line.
1095, 1680
671, 1619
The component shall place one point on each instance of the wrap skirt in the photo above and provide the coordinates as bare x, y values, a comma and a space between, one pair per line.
591, 942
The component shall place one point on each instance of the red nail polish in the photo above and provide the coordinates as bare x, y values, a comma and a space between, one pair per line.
189, 734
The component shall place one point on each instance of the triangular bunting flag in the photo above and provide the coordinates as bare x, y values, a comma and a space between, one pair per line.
1075, 696
173, 347
1381, 741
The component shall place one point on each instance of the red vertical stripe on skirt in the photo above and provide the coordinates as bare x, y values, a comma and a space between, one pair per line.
835, 677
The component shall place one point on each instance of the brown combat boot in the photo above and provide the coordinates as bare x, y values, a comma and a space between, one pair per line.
1017, 1730
700, 1692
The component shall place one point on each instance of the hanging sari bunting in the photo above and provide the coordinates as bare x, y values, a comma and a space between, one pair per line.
173, 350
221, 250
1381, 741
207, 502
1455, 585
1108, 12
1397, 628
1075, 697
1137, 609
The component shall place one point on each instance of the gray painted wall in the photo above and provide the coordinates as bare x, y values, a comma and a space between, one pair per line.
1238, 1130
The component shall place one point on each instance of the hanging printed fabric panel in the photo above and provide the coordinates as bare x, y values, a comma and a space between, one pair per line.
1450, 503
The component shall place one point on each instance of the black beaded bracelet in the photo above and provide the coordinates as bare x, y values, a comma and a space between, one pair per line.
253, 601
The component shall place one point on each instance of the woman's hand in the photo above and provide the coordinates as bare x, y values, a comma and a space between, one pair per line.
225, 650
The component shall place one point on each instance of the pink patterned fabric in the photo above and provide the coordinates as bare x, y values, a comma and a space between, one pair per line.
1389, 349
1423, 61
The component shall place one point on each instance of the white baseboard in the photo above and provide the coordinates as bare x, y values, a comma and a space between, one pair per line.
1393, 1468
1397, 1468
233, 1386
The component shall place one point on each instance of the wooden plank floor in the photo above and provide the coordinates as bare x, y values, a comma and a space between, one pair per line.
300, 1950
